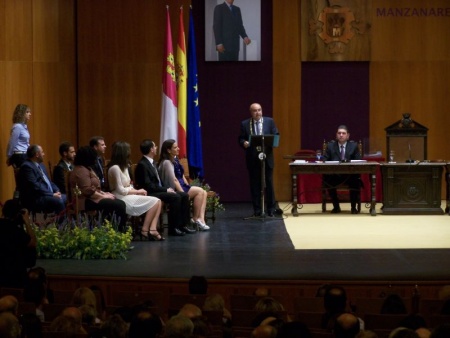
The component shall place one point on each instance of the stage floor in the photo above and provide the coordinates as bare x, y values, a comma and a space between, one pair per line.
257, 249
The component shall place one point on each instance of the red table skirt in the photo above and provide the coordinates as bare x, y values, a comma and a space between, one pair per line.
309, 186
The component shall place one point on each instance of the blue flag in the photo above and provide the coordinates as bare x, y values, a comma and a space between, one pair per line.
193, 124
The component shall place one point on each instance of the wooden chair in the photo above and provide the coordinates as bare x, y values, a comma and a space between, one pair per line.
16, 292
177, 301
343, 190
131, 298
308, 304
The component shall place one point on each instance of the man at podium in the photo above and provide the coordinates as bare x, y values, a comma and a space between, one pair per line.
257, 139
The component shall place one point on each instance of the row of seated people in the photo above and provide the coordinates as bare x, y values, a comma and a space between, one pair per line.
266, 311
114, 195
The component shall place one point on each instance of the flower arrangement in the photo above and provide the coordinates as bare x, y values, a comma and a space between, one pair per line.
213, 198
86, 241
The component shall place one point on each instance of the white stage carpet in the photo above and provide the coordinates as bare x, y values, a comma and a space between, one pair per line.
316, 230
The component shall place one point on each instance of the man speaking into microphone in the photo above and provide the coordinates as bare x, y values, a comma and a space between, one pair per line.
259, 125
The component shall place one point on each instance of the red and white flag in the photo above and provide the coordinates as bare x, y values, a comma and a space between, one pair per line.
169, 118
181, 68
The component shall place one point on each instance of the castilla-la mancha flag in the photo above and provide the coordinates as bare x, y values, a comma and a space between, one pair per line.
181, 71
169, 118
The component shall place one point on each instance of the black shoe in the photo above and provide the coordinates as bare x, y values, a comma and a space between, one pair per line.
270, 214
257, 214
336, 210
186, 230
354, 211
176, 232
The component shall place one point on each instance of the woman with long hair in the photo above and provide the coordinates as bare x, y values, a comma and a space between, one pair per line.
172, 174
137, 202
19, 140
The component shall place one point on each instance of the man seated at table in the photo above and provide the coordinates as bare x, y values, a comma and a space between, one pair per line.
342, 150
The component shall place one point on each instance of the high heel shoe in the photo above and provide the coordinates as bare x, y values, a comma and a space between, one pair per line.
201, 226
144, 234
157, 237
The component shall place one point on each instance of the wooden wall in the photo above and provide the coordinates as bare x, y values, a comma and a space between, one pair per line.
90, 67
37, 68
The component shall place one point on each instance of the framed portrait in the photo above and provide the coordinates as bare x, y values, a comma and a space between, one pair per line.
232, 30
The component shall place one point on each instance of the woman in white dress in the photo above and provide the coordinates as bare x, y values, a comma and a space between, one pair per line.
137, 202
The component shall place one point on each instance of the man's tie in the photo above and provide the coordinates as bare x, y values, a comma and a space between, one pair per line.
157, 175
257, 131
49, 185
232, 9
70, 167
342, 153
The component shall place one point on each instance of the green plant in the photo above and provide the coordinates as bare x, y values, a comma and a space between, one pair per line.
86, 241
213, 200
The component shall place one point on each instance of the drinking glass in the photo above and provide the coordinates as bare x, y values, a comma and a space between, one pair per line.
391, 156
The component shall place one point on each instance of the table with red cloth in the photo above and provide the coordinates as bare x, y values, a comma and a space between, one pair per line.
308, 188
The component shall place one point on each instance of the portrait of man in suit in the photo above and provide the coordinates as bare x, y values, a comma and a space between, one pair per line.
233, 30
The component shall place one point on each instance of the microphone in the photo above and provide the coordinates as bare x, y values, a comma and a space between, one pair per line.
410, 160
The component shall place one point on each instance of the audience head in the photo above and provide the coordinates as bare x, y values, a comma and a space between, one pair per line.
67, 151
198, 285
268, 304
346, 326
75, 314
294, 330
190, 311
423, 332
264, 331
366, 334
88, 314
148, 147
403, 332
21, 114
115, 327
9, 325
35, 292
145, 324
444, 292
67, 325
86, 157
31, 325
11, 209
393, 304
262, 292
98, 144
321, 290
179, 326
335, 299
10, 304
202, 327
166, 150
38, 273
120, 154
35, 153
214, 302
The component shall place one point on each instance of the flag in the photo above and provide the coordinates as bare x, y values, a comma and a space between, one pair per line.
181, 72
169, 123
194, 135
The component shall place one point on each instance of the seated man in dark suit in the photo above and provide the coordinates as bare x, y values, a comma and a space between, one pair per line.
147, 177
342, 150
67, 152
98, 144
37, 192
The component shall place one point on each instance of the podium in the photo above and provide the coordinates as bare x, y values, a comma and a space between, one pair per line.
260, 145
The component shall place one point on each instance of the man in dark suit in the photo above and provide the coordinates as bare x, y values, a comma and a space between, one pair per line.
259, 125
98, 144
342, 150
147, 177
67, 152
37, 192
228, 26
